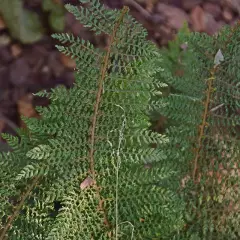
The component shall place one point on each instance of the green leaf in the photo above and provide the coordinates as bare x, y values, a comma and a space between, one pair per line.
48, 5
51, 6
57, 14
57, 21
23, 24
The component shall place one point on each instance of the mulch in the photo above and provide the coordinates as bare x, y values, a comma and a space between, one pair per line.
29, 68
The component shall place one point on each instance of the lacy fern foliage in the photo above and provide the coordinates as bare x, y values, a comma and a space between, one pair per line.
93, 152
91, 149
202, 109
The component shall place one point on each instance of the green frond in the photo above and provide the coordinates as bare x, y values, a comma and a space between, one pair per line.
95, 16
91, 146
202, 108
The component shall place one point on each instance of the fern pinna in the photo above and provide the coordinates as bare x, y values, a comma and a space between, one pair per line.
202, 111
90, 150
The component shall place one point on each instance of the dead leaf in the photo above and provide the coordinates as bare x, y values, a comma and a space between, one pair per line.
148, 166
67, 61
87, 183
179, 72
16, 50
58, 2
2, 24
25, 108
5, 40
109, 234
218, 58
2, 125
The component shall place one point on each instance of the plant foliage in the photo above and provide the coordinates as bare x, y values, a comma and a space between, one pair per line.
23, 24
202, 111
93, 150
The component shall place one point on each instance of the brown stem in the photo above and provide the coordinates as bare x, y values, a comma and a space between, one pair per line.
204, 121
18, 208
96, 109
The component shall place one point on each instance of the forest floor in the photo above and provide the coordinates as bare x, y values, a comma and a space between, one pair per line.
29, 68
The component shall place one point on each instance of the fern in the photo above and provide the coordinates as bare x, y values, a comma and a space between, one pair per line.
90, 151
203, 130
93, 152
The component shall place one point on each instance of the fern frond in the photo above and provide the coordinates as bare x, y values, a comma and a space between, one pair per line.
204, 134
91, 148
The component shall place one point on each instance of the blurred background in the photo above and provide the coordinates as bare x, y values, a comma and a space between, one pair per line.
29, 62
